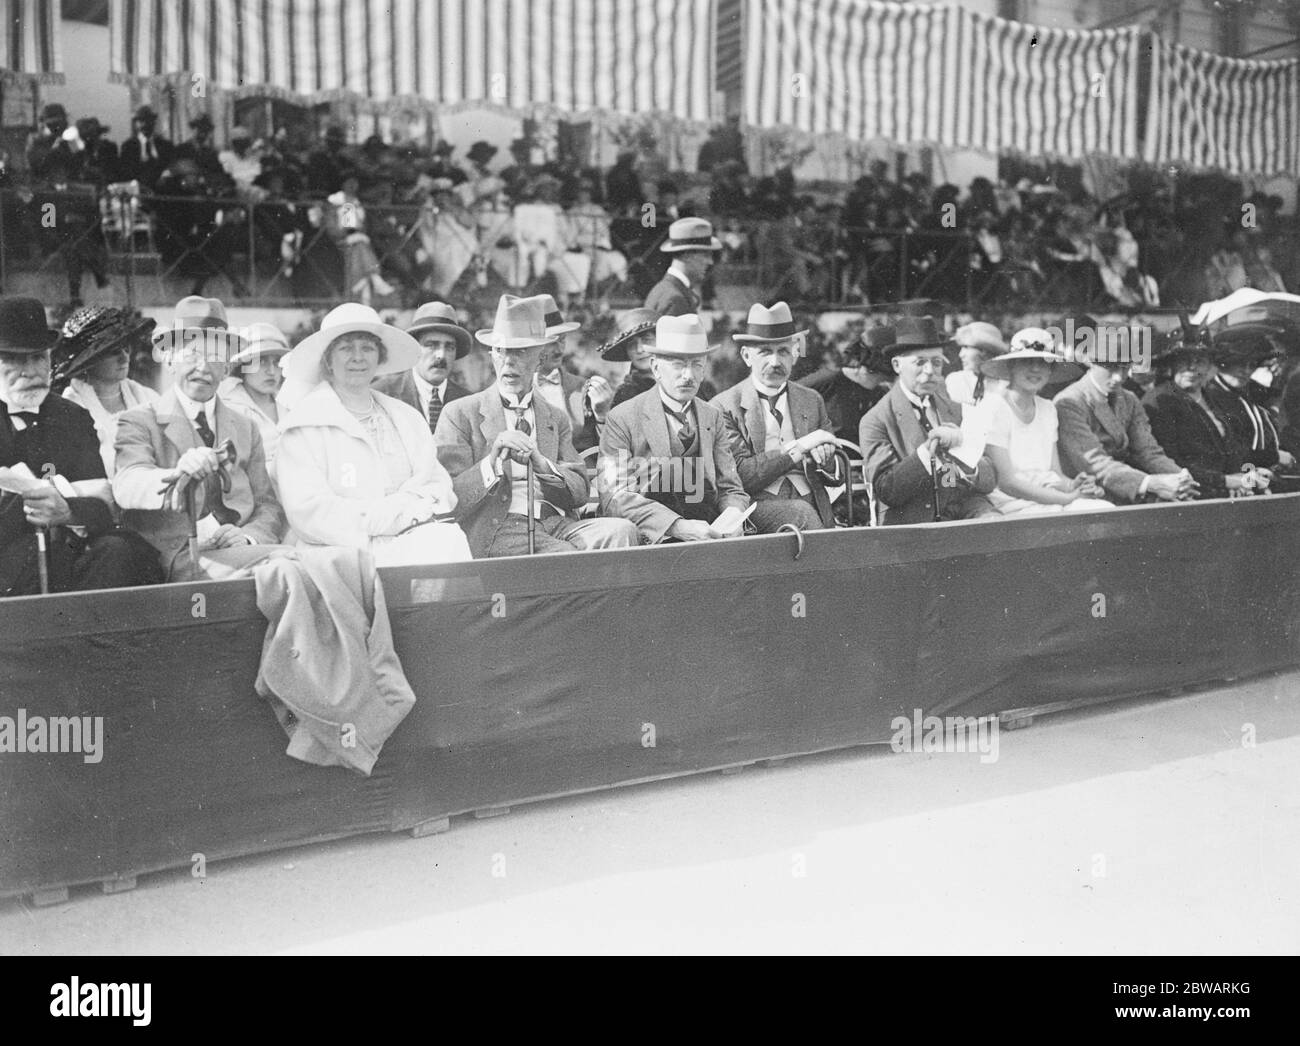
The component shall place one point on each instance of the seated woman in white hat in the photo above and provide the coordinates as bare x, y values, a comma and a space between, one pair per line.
1021, 429
358, 468
253, 382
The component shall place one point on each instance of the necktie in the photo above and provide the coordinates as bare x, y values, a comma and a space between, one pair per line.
771, 403
521, 422
923, 415
24, 418
435, 409
687, 433
220, 512
205, 430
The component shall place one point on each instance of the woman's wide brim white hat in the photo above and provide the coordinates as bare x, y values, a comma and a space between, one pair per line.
1000, 366
304, 362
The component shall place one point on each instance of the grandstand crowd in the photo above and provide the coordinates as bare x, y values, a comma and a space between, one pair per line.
396, 224
365, 435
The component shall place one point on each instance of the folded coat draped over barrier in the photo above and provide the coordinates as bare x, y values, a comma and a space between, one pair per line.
328, 666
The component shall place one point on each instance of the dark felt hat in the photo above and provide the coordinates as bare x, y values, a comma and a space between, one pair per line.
912, 333
23, 328
93, 332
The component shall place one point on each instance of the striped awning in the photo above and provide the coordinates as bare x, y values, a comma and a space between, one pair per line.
940, 75
1230, 114
571, 56
29, 41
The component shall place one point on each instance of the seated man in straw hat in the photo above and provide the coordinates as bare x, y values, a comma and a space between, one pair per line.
485, 441
779, 431
178, 438
694, 247
665, 460
910, 439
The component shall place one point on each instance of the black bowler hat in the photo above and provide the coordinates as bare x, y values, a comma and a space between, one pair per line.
917, 332
23, 328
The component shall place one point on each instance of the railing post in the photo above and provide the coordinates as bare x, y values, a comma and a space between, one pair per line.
250, 213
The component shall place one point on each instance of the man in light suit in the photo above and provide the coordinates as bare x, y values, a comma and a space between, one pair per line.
178, 438
428, 386
485, 441
694, 247
1105, 432
779, 431
909, 437
665, 461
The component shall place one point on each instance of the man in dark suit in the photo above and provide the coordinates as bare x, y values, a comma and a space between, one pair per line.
665, 460
1105, 432
486, 441
587, 402
912, 441
428, 386
779, 431
693, 246
145, 155
180, 438
53, 441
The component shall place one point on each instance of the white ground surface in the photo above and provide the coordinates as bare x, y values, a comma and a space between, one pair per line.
1135, 828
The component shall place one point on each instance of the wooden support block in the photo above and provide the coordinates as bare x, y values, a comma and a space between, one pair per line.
435, 827
729, 770
45, 898
773, 763
491, 811
120, 885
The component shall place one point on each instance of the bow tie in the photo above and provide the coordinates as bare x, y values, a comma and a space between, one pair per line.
550, 379
26, 417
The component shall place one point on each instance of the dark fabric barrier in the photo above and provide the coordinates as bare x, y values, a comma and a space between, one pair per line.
552, 675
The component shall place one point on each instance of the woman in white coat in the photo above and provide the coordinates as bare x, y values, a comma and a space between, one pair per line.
356, 467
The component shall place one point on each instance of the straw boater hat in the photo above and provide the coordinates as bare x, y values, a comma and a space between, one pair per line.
520, 324
198, 318
264, 339
691, 234
92, 333
555, 323
682, 337
630, 326
768, 325
979, 335
304, 363
1032, 343
439, 316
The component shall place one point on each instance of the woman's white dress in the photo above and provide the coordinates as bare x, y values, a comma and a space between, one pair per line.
83, 394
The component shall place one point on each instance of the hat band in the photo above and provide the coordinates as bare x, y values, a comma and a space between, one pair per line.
207, 322
771, 330
692, 241
554, 319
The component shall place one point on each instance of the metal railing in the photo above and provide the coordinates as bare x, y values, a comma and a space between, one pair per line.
281, 252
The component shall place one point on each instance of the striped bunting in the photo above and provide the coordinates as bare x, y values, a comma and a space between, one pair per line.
941, 75
30, 41
1230, 114
566, 55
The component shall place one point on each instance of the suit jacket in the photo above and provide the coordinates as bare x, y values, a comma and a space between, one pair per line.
131, 167
402, 387
669, 297
464, 437
1114, 446
889, 436
1188, 435
745, 421
639, 429
1230, 405
151, 439
64, 436
582, 424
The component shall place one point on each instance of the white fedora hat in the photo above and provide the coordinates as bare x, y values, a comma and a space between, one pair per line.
520, 324
304, 362
681, 336
774, 324
264, 339
691, 234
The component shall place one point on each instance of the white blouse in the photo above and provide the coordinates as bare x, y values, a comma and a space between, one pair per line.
83, 394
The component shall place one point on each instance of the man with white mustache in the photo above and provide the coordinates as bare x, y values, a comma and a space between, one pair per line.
53, 478
779, 431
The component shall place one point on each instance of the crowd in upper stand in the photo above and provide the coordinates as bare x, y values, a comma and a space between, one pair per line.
398, 223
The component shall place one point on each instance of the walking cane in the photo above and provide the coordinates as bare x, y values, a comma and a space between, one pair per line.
934, 482
532, 520
43, 560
